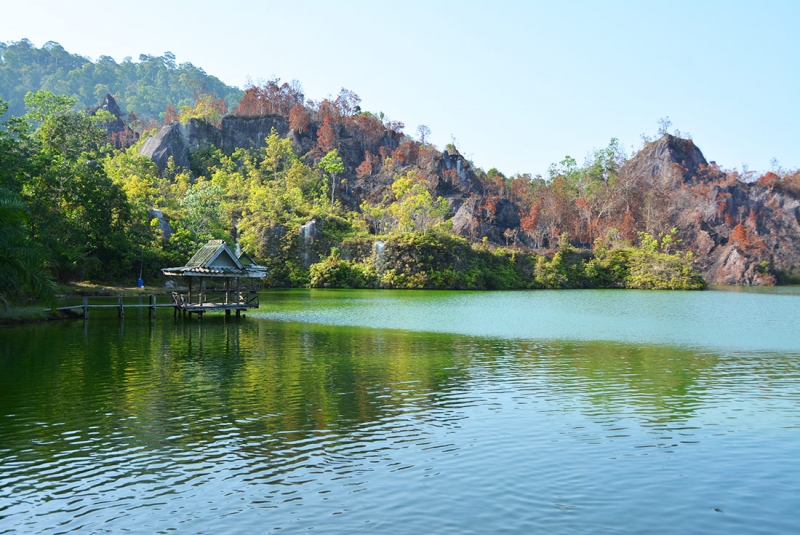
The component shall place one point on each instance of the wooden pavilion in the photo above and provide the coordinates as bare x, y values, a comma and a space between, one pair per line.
212, 265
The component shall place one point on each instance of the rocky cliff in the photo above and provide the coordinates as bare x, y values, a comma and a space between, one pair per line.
741, 233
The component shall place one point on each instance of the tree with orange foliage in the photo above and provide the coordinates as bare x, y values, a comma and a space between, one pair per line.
270, 98
529, 224
327, 139
406, 152
170, 114
740, 236
370, 129
769, 180
365, 169
299, 119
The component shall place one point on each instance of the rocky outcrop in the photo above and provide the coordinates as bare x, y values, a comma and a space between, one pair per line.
119, 133
163, 224
670, 161
165, 144
179, 140
741, 233
249, 132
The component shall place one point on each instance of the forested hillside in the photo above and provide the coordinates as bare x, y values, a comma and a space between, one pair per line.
327, 194
144, 87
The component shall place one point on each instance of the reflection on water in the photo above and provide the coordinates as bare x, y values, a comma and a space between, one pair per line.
232, 426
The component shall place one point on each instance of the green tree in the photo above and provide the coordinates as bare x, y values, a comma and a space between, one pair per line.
332, 164
78, 213
23, 267
414, 208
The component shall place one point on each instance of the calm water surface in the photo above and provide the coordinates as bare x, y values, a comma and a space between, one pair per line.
410, 412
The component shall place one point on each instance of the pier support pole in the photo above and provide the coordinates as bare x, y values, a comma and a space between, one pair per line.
121, 308
86, 308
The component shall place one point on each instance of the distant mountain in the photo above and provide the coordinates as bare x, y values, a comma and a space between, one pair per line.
144, 87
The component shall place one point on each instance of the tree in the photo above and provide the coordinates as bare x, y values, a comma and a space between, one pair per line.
414, 209
299, 119
423, 132
75, 210
278, 154
332, 164
207, 108
23, 264
327, 138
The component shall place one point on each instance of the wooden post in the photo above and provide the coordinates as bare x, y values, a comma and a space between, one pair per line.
190, 289
202, 290
153, 304
227, 290
121, 308
238, 312
86, 308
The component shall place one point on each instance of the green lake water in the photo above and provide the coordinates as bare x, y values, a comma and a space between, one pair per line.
410, 412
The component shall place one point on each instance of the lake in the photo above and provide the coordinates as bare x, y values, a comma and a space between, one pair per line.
609, 411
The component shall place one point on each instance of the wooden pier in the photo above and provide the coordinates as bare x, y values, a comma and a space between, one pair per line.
181, 304
213, 265
214, 301
152, 306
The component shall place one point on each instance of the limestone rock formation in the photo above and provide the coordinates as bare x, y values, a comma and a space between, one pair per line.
119, 132
740, 232
179, 140
165, 144
670, 161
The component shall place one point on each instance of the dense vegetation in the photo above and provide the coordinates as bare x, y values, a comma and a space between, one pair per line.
143, 88
73, 207
344, 199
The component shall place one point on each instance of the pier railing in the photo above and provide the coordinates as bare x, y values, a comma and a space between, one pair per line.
216, 299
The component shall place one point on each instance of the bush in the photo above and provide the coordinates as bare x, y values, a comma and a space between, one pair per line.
333, 272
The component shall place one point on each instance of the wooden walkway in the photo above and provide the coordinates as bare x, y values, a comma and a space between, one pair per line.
120, 306
180, 304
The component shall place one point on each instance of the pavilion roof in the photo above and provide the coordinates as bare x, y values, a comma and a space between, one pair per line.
215, 259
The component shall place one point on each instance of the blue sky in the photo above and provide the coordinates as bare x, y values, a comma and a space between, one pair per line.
518, 85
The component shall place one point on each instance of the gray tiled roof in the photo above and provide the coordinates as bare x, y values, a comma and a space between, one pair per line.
215, 258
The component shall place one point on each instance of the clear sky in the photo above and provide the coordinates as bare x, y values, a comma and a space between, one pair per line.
518, 85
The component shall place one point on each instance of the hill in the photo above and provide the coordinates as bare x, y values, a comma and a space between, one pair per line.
328, 194
739, 232
144, 87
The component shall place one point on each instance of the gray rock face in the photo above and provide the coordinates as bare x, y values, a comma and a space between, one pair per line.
181, 140
707, 208
670, 161
249, 132
506, 215
165, 144
308, 234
